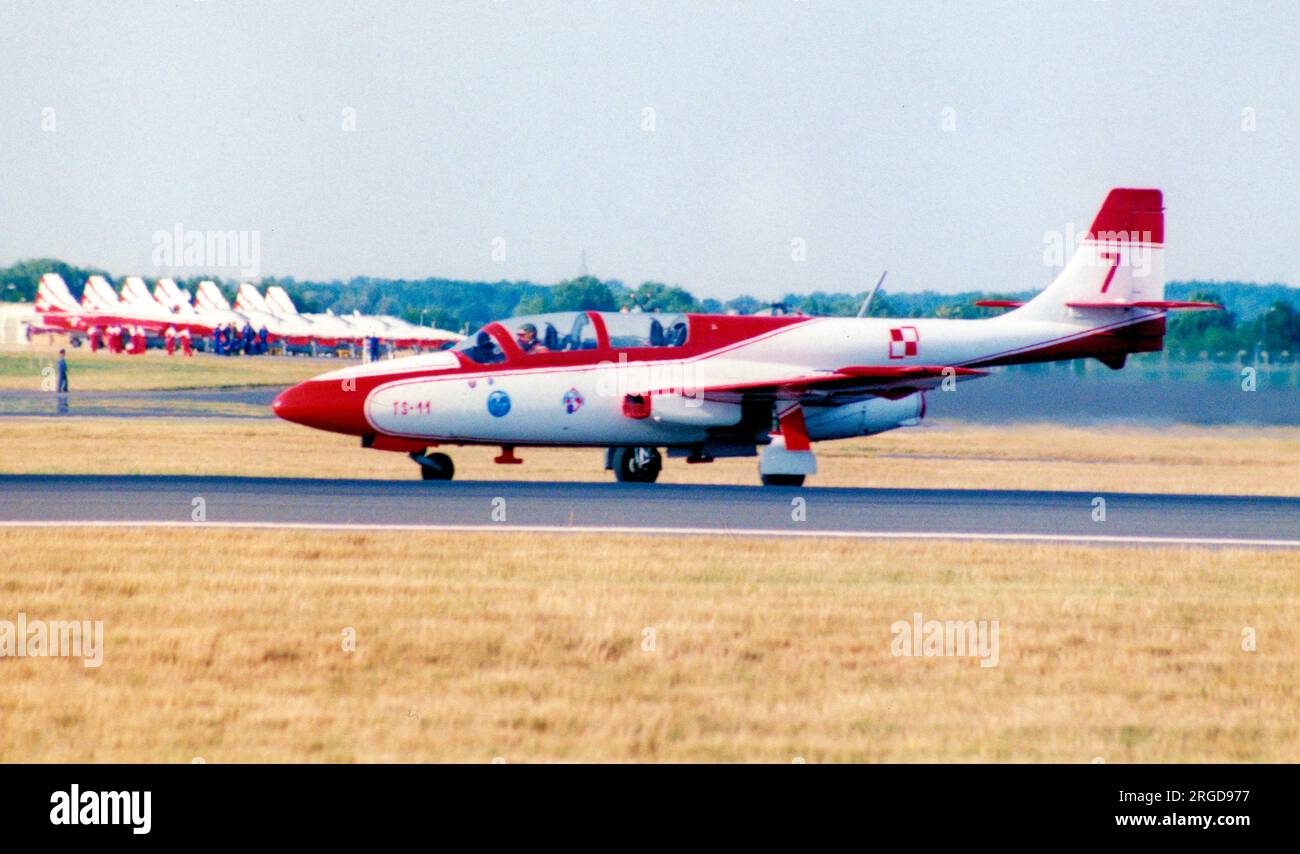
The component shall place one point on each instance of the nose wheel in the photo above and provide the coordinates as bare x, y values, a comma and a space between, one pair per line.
636, 465
435, 466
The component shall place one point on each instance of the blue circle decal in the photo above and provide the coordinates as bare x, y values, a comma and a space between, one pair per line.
498, 403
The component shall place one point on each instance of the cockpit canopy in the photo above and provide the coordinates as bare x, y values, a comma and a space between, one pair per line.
571, 331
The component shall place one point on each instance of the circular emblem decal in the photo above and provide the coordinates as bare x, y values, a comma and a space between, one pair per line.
572, 401
498, 403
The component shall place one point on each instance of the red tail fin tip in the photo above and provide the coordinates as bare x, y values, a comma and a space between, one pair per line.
1130, 215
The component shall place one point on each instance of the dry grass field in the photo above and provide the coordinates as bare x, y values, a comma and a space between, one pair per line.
228, 645
1225, 460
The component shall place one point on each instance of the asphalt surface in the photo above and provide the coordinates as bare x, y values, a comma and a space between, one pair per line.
48, 499
234, 402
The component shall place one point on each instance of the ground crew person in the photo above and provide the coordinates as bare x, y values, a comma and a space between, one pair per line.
187, 346
170, 335
93, 334
63, 373
262, 336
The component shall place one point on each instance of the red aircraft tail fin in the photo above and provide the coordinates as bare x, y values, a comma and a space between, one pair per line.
1119, 259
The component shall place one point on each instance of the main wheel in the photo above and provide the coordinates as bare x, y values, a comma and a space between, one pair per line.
782, 479
438, 467
637, 465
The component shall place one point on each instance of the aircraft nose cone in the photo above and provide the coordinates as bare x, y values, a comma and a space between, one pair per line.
336, 406
294, 404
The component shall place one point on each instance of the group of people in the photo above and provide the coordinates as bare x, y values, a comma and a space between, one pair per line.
229, 341
124, 339
226, 340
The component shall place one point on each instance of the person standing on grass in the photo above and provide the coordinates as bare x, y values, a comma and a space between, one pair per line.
262, 335
170, 335
63, 373
187, 346
93, 335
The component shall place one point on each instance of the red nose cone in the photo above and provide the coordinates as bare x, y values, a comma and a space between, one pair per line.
325, 405
291, 404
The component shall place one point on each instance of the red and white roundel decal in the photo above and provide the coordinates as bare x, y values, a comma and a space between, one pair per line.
903, 342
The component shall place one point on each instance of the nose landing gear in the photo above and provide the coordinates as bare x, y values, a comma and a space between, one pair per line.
435, 466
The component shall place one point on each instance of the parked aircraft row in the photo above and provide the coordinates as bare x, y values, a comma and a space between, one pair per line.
169, 305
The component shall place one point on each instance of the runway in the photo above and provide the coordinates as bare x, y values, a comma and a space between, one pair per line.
38, 500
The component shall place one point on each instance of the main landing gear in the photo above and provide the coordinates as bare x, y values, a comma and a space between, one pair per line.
635, 465
435, 466
782, 466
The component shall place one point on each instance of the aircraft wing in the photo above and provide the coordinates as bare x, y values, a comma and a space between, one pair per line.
830, 387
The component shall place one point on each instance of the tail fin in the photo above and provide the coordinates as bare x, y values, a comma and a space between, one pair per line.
278, 298
53, 296
1119, 262
136, 293
99, 295
169, 294
210, 298
248, 299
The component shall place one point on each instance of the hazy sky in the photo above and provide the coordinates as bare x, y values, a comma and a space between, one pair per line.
771, 121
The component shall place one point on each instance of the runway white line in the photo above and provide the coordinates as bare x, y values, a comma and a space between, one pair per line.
1098, 539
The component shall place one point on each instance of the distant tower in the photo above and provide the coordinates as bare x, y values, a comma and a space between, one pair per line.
582, 266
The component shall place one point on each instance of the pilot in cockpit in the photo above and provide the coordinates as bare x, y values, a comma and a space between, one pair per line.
527, 339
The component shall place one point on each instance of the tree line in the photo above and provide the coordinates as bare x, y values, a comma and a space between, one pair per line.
1257, 318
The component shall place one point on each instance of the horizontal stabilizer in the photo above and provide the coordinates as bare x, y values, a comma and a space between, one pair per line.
998, 303
1163, 305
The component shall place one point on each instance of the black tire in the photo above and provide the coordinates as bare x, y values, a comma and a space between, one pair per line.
442, 468
782, 479
627, 469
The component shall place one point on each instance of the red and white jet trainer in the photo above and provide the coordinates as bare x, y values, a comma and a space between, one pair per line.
706, 386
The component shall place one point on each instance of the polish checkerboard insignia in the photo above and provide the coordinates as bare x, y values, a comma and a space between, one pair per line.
903, 342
